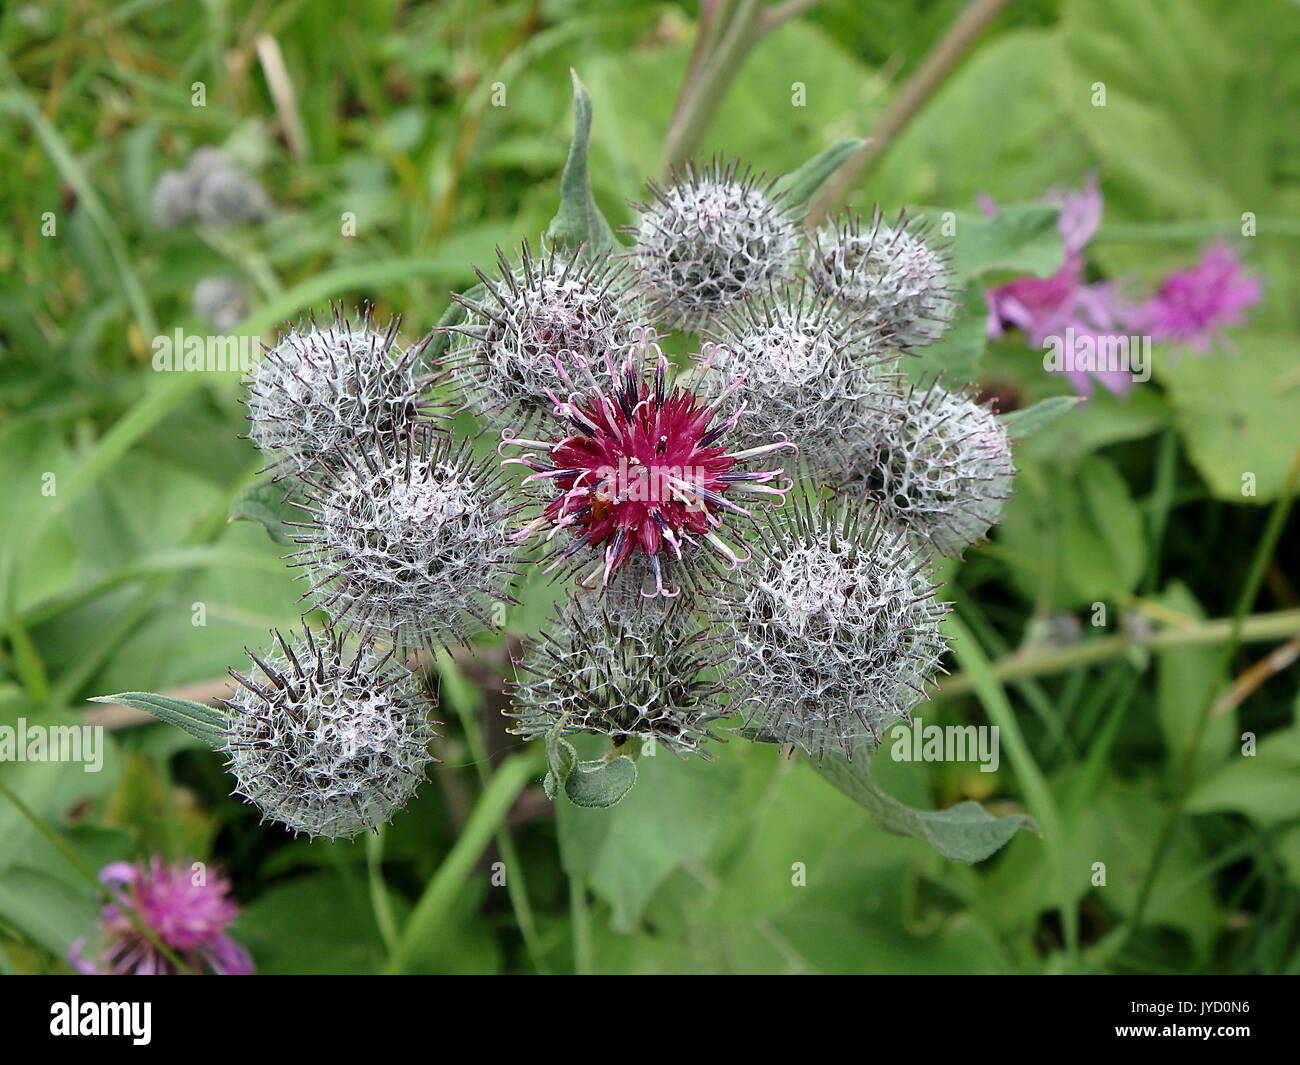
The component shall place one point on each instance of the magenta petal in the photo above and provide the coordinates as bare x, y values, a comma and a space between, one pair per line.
1080, 214
118, 873
79, 963
228, 958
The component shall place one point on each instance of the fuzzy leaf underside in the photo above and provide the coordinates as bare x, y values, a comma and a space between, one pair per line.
965, 832
596, 784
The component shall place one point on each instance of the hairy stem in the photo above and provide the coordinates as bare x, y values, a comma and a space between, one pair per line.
1259, 628
724, 39
936, 66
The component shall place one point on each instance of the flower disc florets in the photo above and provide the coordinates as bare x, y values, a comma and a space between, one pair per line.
890, 274
187, 914
531, 319
328, 741
409, 542
595, 673
809, 369
320, 388
941, 466
640, 470
835, 628
715, 237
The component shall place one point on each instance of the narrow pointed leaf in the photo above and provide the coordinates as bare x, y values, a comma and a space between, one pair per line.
579, 221
800, 186
1026, 422
205, 723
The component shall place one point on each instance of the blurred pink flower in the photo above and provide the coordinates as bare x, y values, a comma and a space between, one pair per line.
1043, 307
1192, 305
188, 914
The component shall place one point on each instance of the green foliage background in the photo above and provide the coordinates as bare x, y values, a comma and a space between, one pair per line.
1136, 504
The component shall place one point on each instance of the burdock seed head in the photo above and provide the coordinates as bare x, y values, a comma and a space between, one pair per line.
598, 673
808, 368
941, 466
835, 628
320, 388
889, 273
173, 198
221, 300
223, 194
328, 740
212, 189
534, 318
408, 540
715, 237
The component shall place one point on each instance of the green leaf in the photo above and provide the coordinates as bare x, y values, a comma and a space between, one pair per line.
266, 502
594, 784
1026, 422
202, 722
49, 790
956, 357
1020, 239
1258, 783
1165, 152
801, 186
310, 924
1238, 409
961, 144
451, 317
965, 832
46, 910
1073, 537
1116, 521
627, 851
598, 783
579, 221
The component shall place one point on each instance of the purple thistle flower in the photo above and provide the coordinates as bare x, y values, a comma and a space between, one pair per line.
188, 914
1192, 305
641, 469
1048, 306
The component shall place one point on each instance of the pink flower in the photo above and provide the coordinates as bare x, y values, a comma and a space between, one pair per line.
1044, 307
1192, 305
189, 913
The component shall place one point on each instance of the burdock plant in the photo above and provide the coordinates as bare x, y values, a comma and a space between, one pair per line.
745, 535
